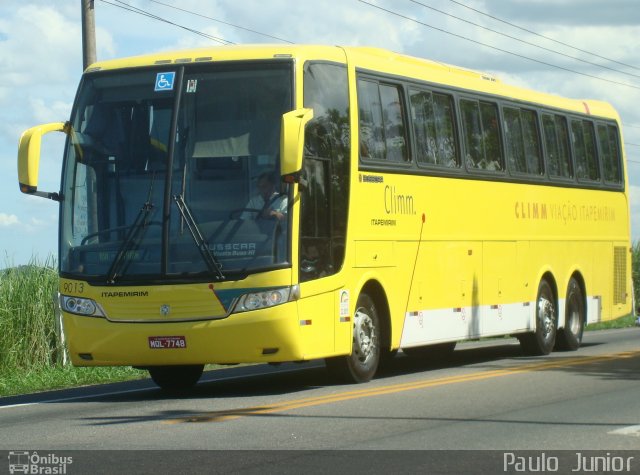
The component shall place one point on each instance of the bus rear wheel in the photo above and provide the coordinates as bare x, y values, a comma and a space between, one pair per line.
176, 378
542, 340
361, 365
570, 337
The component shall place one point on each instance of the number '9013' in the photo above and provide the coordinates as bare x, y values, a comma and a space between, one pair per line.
72, 288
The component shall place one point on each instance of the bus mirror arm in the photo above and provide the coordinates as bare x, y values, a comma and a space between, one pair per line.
296, 177
292, 142
29, 159
52, 195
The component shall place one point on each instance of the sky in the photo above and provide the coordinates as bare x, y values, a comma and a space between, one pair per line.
585, 49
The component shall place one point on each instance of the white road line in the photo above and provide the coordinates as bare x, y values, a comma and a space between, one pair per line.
73, 398
151, 388
632, 431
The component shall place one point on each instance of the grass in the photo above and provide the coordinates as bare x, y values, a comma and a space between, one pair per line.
16, 381
30, 349
31, 352
27, 325
635, 270
622, 322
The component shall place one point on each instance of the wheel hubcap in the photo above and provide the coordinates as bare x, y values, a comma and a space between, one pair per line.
574, 323
546, 317
364, 336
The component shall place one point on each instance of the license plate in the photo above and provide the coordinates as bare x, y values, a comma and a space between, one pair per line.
167, 342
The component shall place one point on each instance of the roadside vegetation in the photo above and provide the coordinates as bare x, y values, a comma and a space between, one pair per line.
32, 355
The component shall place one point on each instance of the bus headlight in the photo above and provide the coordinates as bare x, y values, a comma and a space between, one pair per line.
80, 306
267, 298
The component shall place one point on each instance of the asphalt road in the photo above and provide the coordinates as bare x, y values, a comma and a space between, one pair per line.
485, 396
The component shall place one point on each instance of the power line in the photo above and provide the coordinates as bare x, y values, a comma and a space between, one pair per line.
543, 36
222, 22
524, 41
139, 11
498, 49
164, 20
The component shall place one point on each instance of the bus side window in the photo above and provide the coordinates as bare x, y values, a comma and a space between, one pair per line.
482, 135
523, 145
532, 147
424, 127
584, 146
372, 143
562, 131
324, 200
472, 133
491, 137
383, 133
515, 140
447, 146
394, 124
434, 130
556, 139
608, 140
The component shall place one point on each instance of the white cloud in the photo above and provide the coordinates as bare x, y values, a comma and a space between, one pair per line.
634, 195
49, 111
8, 220
40, 54
37, 222
41, 44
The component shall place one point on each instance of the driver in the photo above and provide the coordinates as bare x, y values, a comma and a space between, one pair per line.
268, 203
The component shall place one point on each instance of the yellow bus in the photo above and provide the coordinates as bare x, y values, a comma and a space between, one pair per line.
287, 203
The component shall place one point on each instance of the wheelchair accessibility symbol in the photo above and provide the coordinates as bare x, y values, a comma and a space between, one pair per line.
164, 81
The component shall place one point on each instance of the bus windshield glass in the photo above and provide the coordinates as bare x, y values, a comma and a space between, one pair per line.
174, 173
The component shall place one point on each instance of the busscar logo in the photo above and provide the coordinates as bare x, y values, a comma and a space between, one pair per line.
33, 463
370, 178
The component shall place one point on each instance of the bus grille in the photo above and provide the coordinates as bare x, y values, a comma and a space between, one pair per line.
619, 275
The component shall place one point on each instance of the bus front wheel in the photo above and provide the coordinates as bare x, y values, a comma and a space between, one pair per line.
542, 340
361, 365
176, 378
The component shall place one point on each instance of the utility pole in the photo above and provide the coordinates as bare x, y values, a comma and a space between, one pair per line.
88, 34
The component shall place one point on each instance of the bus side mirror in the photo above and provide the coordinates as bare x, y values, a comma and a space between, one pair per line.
292, 140
29, 158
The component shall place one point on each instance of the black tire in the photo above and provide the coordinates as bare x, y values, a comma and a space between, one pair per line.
570, 337
361, 365
386, 358
434, 352
176, 378
542, 340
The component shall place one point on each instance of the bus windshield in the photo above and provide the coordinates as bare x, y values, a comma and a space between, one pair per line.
171, 174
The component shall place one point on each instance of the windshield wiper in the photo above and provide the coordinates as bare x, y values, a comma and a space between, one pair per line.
201, 243
134, 235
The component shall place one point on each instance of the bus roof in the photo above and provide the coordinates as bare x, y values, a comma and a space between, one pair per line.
466, 79
372, 59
